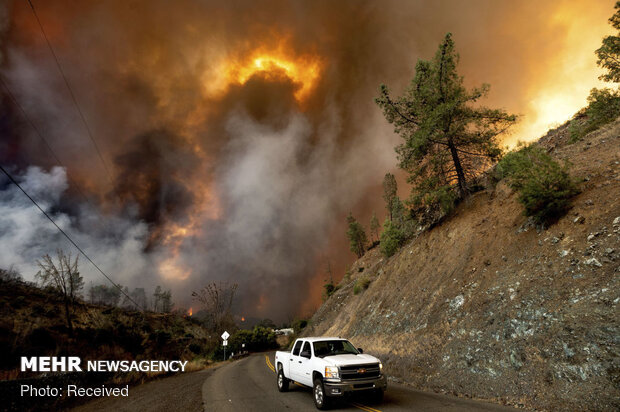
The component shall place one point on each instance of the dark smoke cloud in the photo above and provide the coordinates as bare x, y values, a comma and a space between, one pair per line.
263, 181
151, 174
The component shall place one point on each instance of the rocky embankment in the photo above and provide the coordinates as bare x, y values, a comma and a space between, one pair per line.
486, 306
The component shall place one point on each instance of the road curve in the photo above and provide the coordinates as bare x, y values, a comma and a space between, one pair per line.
250, 385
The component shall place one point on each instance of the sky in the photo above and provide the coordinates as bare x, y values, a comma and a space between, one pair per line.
204, 141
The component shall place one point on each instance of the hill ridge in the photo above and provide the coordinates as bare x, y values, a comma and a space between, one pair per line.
484, 305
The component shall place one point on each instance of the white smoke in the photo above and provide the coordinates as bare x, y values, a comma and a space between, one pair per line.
282, 192
114, 243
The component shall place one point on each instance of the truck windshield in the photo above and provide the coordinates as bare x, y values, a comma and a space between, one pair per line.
333, 347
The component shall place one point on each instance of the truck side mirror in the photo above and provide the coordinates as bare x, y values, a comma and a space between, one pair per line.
360, 350
305, 354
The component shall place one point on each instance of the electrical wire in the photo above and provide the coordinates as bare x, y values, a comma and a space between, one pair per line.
75, 101
69, 238
40, 135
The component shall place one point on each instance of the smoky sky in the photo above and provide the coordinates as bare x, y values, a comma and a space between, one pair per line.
212, 179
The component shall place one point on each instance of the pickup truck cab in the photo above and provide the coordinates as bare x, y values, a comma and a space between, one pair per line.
331, 367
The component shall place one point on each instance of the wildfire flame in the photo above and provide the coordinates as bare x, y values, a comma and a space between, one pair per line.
556, 94
242, 318
304, 73
190, 312
206, 207
303, 70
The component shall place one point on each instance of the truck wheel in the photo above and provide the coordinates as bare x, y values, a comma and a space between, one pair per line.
282, 381
321, 401
378, 396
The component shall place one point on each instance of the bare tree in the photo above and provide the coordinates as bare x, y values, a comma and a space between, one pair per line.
157, 298
162, 300
217, 300
64, 278
10, 275
166, 301
105, 295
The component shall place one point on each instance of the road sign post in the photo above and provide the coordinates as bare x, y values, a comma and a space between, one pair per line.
225, 337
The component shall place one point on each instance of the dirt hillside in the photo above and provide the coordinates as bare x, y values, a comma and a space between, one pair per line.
486, 306
32, 323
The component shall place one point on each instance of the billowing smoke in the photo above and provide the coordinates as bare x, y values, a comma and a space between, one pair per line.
238, 135
27, 234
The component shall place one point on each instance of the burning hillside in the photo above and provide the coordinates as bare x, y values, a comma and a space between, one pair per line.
235, 138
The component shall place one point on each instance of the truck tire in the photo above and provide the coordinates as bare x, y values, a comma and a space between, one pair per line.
321, 401
377, 396
282, 381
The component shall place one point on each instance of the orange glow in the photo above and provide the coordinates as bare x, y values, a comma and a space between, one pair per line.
558, 92
190, 312
172, 269
242, 319
262, 301
205, 207
303, 70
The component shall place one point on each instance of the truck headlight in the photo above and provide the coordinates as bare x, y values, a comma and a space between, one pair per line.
331, 372
380, 367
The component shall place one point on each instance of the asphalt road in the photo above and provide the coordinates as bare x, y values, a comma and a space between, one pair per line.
250, 385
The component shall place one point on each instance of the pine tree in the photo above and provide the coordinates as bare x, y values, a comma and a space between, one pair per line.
357, 236
374, 226
447, 140
390, 189
603, 104
609, 52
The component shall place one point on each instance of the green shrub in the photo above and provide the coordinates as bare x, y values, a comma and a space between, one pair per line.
299, 324
603, 107
159, 336
258, 339
391, 238
196, 348
361, 284
330, 288
545, 187
19, 302
347, 276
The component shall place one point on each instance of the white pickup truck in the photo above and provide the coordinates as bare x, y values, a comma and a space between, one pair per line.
331, 367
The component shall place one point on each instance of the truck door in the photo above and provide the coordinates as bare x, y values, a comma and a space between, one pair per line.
303, 366
293, 356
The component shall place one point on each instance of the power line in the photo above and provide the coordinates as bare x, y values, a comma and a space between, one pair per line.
75, 102
69, 238
38, 133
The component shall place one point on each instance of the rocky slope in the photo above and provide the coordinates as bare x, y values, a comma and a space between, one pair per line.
485, 306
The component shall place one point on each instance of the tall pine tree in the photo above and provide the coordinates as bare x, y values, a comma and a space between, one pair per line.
390, 190
447, 139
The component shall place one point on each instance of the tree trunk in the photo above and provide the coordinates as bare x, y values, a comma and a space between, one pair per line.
462, 184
